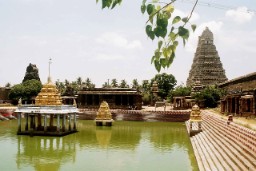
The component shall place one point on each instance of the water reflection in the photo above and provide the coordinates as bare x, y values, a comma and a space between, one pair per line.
124, 146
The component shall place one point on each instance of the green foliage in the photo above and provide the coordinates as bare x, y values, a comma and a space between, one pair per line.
179, 91
210, 95
110, 3
25, 90
31, 73
123, 84
166, 83
146, 98
159, 15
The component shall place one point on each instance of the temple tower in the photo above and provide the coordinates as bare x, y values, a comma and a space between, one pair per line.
207, 67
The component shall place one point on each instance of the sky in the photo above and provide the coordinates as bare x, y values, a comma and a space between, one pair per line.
85, 41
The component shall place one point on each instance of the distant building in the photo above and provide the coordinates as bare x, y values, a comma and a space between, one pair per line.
207, 67
4, 94
241, 95
117, 98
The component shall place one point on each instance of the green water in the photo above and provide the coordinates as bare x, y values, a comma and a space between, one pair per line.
126, 146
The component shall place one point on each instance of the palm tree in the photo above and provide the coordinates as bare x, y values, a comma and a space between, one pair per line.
135, 84
114, 83
123, 84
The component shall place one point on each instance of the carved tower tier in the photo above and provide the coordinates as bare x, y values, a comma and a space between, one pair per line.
207, 67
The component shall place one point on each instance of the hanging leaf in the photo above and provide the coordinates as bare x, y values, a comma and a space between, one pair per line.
143, 8
157, 65
185, 19
193, 26
150, 9
149, 32
176, 20
160, 43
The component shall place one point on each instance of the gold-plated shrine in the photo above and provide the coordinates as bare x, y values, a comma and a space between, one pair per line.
48, 105
195, 120
49, 95
104, 116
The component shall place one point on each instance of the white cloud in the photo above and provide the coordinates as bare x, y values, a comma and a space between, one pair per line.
195, 15
107, 57
240, 15
117, 40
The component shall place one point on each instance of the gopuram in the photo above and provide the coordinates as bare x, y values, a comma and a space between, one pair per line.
48, 106
207, 67
104, 116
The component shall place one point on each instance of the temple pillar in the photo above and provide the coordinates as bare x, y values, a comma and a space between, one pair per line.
74, 121
69, 123
58, 123
45, 122
63, 123
19, 122
26, 124
39, 121
51, 121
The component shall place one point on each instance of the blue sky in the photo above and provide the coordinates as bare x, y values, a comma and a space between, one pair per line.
84, 40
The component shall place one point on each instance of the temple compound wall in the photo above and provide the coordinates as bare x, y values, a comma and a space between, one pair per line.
241, 96
117, 98
4, 94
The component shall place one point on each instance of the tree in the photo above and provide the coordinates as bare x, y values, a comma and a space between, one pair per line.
31, 73
60, 86
166, 83
105, 85
135, 84
114, 83
123, 84
26, 90
210, 95
145, 86
180, 90
8, 84
161, 24
88, 83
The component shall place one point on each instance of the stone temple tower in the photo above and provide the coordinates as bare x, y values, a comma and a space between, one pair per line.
207, 67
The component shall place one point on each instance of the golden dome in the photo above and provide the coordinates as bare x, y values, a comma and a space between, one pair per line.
104, 112
48, 95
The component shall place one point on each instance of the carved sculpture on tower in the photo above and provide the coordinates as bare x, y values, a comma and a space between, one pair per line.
207, 67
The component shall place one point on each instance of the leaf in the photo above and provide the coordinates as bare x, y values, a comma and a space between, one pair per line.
143, 8
185, 19
114, 4
169, 9
183, 32
193, 26
172, 36
106, 3
152, 59
150, 9
149, 32
160, 43
170, 59
157, 65
163, 62
162, 21
176, 20
160, 32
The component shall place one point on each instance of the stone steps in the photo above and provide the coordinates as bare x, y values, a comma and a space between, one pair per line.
232, 153
246, 155
224, 147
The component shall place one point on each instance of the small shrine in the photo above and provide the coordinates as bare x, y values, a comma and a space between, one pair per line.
48, 106
195, 121
104, 116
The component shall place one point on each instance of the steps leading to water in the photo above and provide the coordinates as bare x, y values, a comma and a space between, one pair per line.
224, 147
